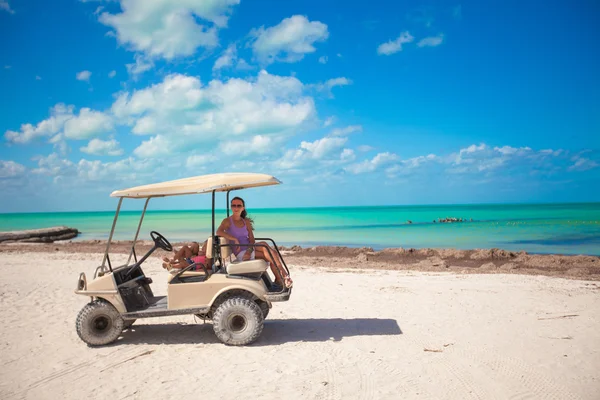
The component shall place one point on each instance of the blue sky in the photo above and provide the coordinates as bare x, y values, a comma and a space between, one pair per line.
429, 102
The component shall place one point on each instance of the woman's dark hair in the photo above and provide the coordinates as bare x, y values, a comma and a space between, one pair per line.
244, 213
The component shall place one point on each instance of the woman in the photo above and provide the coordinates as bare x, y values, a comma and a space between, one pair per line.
238, 229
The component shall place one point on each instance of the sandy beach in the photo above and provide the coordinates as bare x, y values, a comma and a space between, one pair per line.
347, 332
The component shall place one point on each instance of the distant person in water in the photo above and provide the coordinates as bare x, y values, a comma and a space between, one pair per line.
238, 229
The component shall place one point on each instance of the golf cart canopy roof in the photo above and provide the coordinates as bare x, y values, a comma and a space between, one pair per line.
199, 184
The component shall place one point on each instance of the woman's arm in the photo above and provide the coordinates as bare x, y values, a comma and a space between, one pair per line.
222, 228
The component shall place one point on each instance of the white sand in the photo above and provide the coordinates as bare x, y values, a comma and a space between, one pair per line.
492, 336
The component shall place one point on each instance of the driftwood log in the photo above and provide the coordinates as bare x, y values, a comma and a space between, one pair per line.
46, 235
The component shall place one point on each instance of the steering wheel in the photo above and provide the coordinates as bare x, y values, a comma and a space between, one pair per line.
160, 241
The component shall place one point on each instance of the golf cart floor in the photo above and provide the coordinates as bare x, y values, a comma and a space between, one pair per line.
158, 307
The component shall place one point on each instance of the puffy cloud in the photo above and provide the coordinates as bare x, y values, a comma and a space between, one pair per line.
347, 155
347, 130
259, 144
200, 160
432, 41
126, 170
288, 41
141, 65
54, 165
375, 163
112, 74
328, 85
166, 28
186, 112
310, 152
582, 164
83, 76
323, 59
102, 148
59, 114
329, 121
4, 6
87, 124
394, 46
158, 146
227, 58
11, 169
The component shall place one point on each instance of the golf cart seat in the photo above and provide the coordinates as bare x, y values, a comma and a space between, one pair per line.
246, 267
232, 266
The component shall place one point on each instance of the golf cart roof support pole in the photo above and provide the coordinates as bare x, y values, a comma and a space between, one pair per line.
138, 230
213, 215
227, 204
112, 231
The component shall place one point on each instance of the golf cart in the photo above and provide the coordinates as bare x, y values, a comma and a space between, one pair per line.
235, 295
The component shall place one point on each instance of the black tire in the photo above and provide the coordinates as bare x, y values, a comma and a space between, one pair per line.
238, 321
264, 307
128, 322
99, 323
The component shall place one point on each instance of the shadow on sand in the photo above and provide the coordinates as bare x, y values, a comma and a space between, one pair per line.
276, 331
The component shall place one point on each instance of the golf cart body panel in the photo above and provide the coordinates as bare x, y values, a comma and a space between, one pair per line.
186, 295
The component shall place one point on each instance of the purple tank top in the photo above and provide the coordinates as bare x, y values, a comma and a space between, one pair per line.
241, 234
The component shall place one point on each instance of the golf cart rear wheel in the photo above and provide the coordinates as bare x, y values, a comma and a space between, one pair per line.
99, 323
238, 321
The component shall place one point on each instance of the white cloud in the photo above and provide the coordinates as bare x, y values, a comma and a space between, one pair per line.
394, 46
347, 130
187, 112
259, 144
432, 41
6, 7
322, 147
309, 153
59, 114
288, 41
112, 74
376, 162
364, 148
508, 150
200, 160
83, 76
227, 59
347, 155
329, 121
54, 165
582, 164
87, 124
11, 169
166, 28
330, 84
141, 65
323, 59
99, 147
158, 146
126, 170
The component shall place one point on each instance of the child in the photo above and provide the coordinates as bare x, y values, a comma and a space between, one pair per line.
186, 256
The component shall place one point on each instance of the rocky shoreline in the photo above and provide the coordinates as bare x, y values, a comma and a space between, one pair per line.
487, 261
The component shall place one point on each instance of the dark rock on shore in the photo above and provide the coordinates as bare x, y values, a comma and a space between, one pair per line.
46, 235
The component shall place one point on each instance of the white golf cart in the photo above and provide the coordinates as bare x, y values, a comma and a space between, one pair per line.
235, 295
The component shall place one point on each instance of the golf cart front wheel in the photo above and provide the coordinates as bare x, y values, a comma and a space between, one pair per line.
238, 321
99, 323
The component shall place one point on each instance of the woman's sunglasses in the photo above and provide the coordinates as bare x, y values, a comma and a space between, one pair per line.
236, 206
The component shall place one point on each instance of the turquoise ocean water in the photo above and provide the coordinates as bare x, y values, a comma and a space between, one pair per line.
535, 228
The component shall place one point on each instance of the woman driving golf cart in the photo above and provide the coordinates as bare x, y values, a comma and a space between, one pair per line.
238, 228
